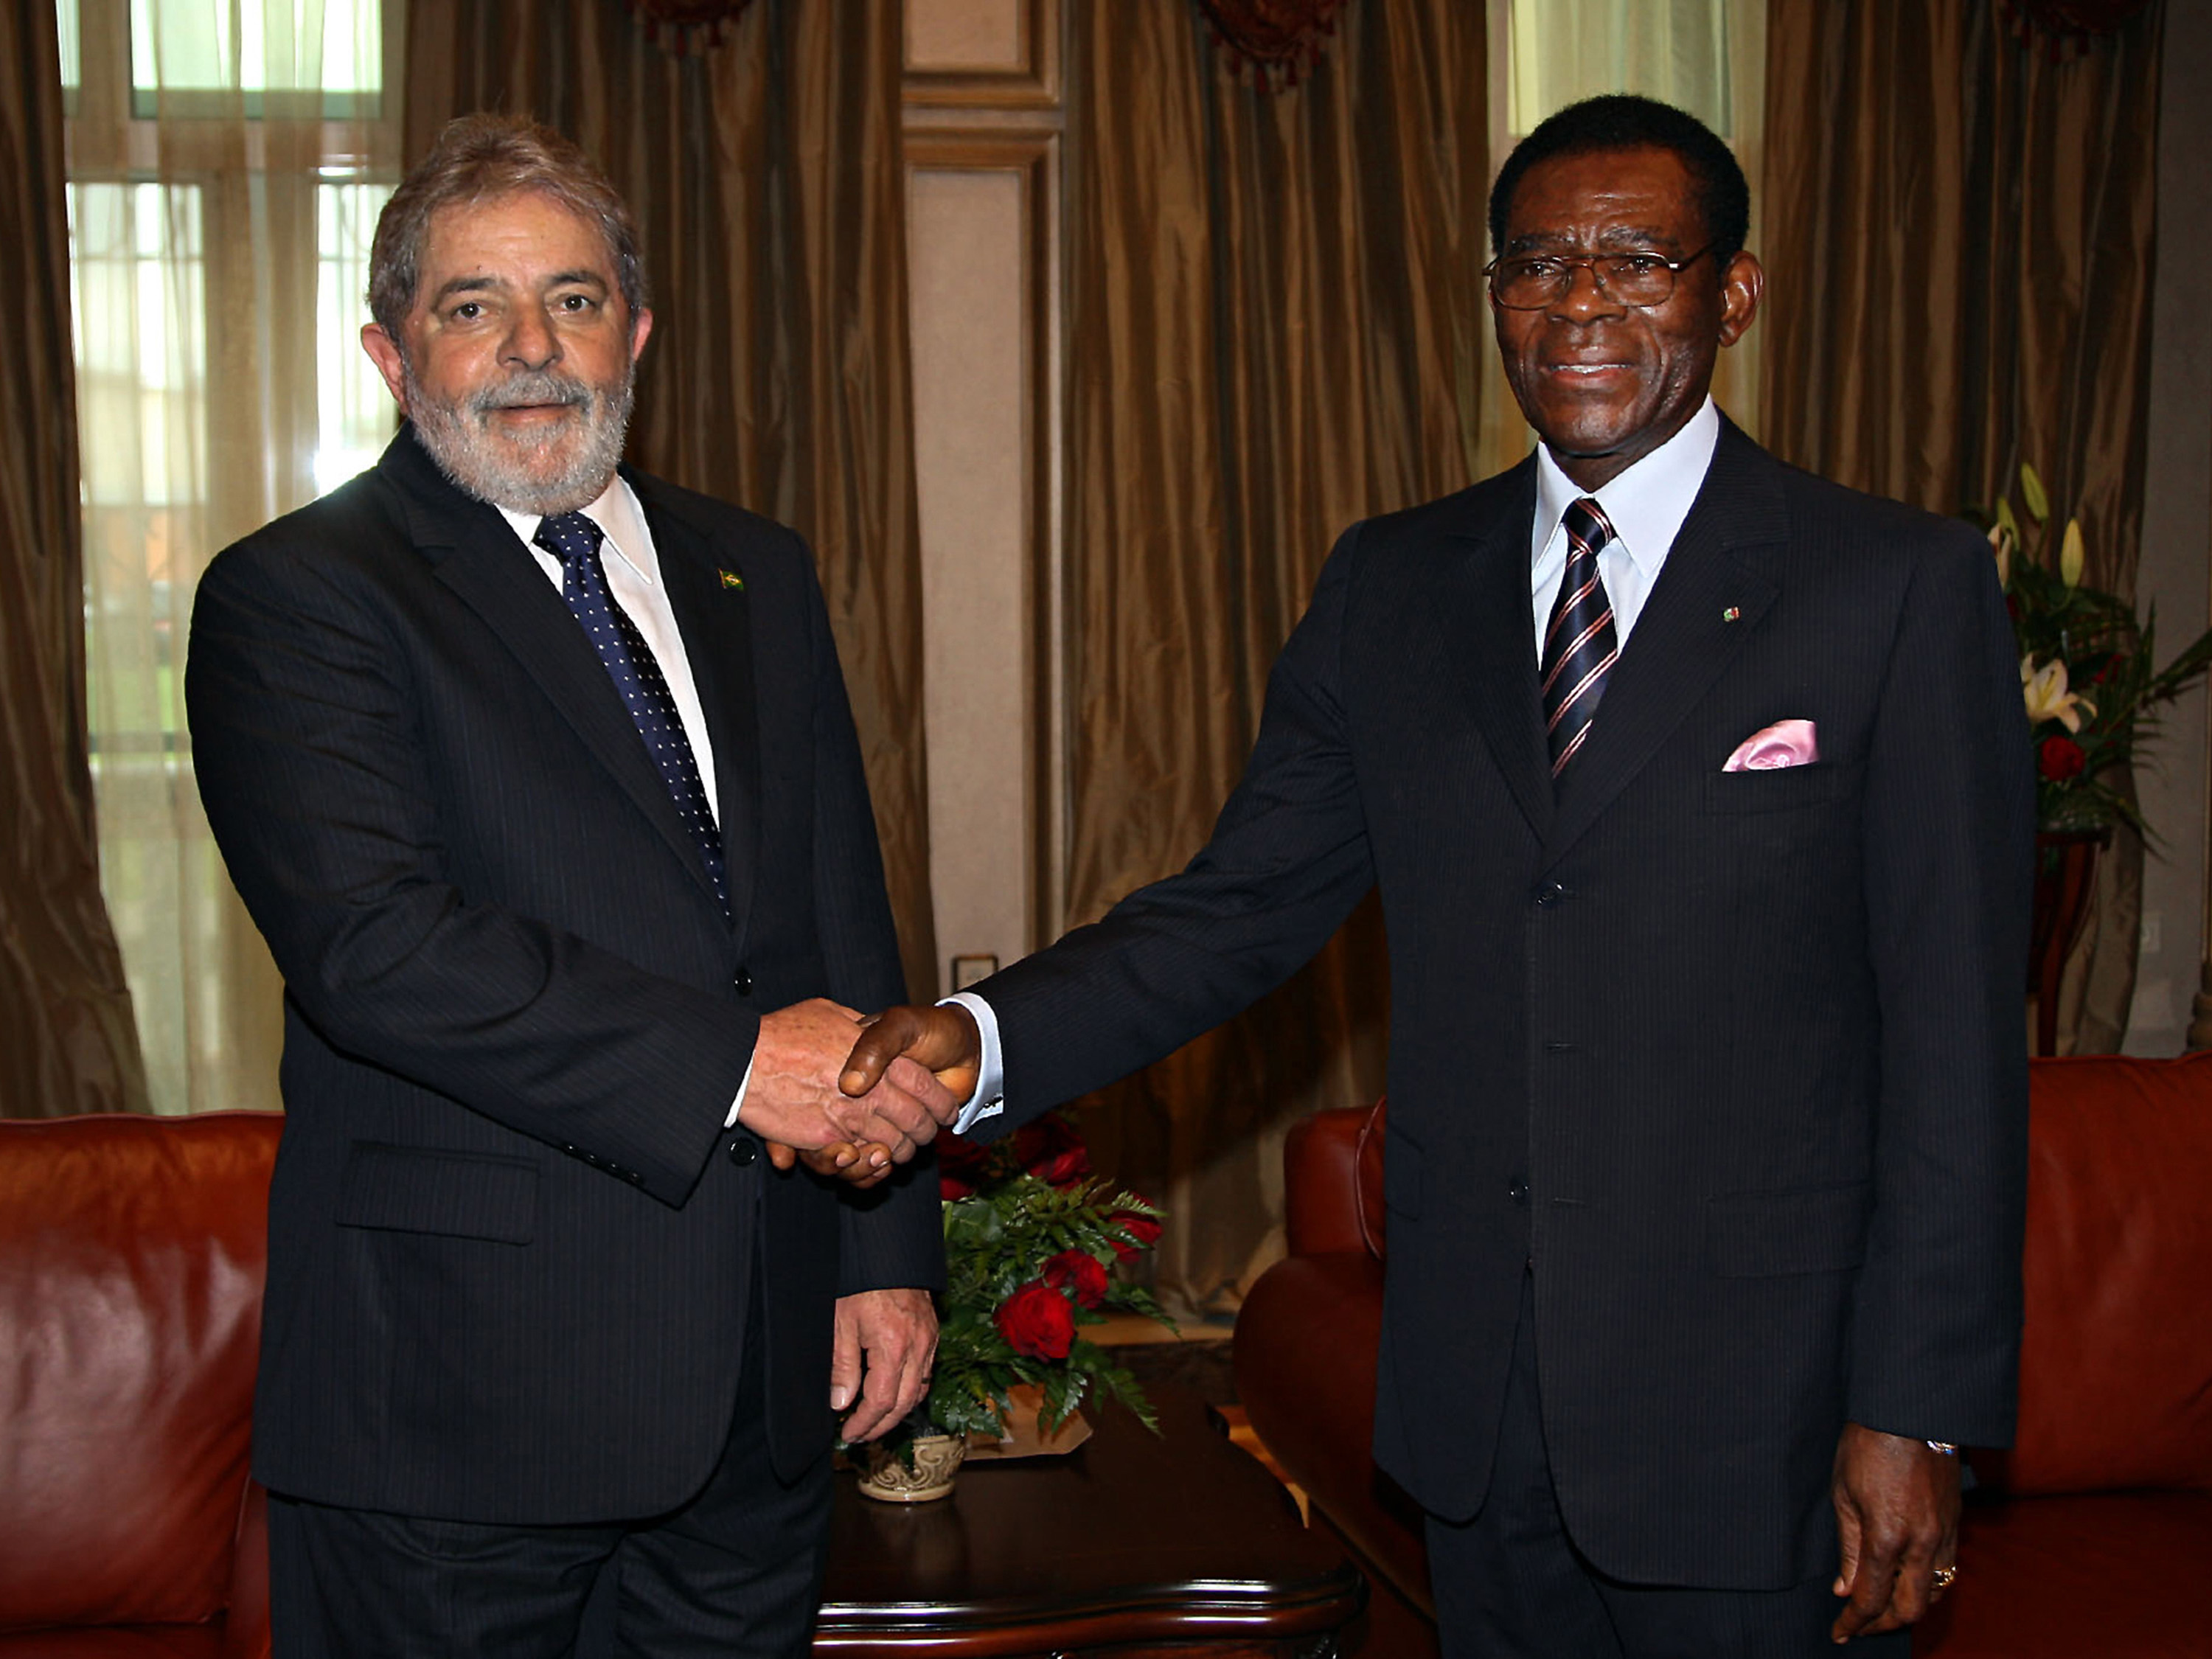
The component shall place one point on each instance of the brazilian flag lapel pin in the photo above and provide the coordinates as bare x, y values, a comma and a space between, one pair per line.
731, 579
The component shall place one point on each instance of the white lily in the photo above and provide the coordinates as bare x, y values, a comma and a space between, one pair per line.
2045, 691
2001, 543
2070, 555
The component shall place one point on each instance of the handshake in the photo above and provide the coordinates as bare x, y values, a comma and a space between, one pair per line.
852, 1095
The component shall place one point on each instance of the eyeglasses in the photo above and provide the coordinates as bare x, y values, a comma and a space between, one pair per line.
1534, 281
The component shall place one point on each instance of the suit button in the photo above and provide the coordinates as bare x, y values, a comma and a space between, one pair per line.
744, 983
633, 1177
1518, 1192
1550, 893
744, 1151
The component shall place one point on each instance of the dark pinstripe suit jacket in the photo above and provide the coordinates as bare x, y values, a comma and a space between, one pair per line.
1734, 1058
509, 1262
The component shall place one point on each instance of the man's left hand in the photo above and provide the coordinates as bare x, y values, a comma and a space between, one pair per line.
1896, 1508
886, 1343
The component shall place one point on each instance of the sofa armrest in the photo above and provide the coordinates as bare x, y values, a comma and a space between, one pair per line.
1304, 1358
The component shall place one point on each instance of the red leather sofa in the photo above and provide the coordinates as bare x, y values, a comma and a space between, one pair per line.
2093, 1535
131, 1254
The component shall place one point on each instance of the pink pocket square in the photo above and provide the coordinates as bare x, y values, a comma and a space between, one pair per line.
1786, 743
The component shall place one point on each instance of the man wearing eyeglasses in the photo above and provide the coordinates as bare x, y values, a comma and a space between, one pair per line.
1697, 794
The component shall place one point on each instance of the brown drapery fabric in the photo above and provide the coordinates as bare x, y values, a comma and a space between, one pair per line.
1958, 243
1274, 325
71, 1044
766, 175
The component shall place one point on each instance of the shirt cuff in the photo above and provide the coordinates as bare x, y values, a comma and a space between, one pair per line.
738, 1104
990, 1096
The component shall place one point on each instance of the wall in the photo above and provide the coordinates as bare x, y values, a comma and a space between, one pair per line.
983, 117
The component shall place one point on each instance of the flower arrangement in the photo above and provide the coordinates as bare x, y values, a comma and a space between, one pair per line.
1031, 1240
2087, 669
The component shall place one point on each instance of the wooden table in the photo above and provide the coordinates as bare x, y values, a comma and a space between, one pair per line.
1175, 1547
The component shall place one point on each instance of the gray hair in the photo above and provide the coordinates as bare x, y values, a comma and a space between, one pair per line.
481, 158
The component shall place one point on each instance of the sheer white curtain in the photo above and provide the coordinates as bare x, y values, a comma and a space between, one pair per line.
1708, 57
227, 162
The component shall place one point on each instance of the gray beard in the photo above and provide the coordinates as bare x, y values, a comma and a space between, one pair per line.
562, 470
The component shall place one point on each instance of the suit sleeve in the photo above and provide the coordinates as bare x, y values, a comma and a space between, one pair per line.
1949, 845
891, 1236
318, 794
1287, 861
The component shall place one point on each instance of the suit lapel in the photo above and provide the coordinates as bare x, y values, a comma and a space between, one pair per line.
1710, 593
1487, 606
706, 591
475, 553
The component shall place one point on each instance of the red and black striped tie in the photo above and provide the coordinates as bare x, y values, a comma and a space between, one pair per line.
1580, 647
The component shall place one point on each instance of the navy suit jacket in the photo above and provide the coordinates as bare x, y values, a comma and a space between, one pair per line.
511, 1245
1734, 1059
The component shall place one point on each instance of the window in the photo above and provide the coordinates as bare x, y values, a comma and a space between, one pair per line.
1679, 51
228, 160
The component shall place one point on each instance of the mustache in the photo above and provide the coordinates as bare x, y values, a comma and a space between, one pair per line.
533, 386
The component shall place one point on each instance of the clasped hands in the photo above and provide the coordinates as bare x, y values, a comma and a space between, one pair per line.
853, 1096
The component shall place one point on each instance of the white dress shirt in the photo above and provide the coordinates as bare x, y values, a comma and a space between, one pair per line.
634, 582
1645, 505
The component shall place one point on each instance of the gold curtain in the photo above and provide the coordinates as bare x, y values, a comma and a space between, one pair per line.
1276, 325
765, 172
1958, 237
71, 1043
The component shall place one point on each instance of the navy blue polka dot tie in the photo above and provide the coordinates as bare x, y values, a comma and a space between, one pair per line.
1579, 645
574, 540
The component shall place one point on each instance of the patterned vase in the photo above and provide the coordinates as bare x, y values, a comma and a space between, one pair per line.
887, 1477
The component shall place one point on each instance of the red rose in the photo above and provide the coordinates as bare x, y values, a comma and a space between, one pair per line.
962, 1167
1051, 1150
2059, 758
1080, 1274
1143, 1231
1037, 1321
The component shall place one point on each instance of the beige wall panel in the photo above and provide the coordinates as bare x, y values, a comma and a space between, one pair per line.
966, 246
964, 34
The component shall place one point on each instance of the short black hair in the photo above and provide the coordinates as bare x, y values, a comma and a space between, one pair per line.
1623, 120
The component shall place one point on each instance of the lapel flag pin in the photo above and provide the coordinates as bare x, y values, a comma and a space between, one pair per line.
731, 579
1728, 615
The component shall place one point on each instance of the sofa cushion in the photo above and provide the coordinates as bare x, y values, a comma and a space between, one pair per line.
131, 1253
2119, 1576
2115, 1374
1320, 1206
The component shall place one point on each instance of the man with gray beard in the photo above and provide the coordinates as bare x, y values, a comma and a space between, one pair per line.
538, 774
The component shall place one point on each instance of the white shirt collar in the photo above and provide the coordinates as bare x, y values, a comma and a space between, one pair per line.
617, 515
1648, 502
